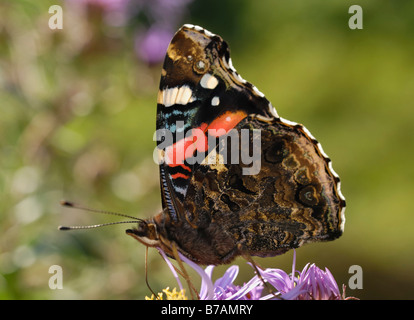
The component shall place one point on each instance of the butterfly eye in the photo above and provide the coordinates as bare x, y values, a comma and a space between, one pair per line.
201, 66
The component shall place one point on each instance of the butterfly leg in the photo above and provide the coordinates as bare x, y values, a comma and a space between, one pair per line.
256, 267
146, 274
184, 272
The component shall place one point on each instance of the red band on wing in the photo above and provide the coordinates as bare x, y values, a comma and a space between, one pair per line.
182, 165
198, 141
179, 175
226, 122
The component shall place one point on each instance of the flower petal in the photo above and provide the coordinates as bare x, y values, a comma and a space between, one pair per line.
229, 276
246, 288
171, 267
208, 292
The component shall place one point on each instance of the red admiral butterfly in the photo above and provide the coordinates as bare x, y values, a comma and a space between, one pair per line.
216, 210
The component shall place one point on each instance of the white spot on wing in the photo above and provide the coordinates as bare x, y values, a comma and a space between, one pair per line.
238, 77
170, 95
201, 29
332, 170
177, 95
311, 136
286, 121
231, 65
259, 93
184, 95
208, 33
209, 81
338, 186
342, 219
160, 97
273, 111
187, 95
215, 101
226, 64
263, 118
321, 150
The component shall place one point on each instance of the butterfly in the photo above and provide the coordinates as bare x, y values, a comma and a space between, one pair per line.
236, 179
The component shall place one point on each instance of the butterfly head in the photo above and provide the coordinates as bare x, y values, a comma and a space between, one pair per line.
151, 233
146, 233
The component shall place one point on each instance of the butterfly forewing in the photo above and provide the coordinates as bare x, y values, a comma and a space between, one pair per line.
199, 91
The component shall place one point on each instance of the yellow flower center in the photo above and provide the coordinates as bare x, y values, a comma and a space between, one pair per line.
169, 295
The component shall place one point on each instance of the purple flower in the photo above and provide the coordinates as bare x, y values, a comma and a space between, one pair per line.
223, 288
104, 4
152, 44
317, 284
154, 22
164, 18
311, 283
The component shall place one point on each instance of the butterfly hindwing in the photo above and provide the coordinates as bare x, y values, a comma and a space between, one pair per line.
291, 201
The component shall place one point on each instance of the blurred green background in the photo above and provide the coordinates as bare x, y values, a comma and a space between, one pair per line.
77, 117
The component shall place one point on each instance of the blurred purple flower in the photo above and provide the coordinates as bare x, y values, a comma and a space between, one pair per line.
165, 17
311, 283
157, 20
151, 45
106, 5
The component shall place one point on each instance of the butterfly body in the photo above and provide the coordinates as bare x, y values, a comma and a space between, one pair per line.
235, 177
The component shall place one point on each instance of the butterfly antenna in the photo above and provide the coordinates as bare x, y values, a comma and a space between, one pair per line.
76, 206
93, 226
